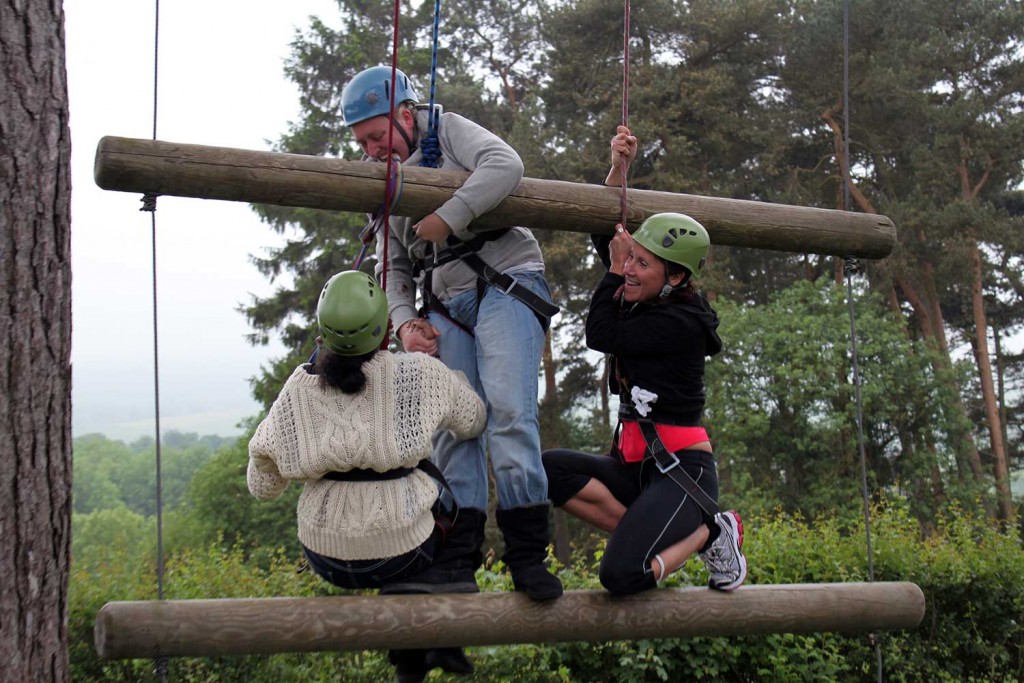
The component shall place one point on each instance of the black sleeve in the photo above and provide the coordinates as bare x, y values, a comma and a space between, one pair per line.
601, 244
658, 330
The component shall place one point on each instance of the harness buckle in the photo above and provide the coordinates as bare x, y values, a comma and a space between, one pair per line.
511, 286
664, 469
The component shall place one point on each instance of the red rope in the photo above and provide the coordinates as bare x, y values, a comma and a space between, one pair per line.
391, 160
391, 146
623, 200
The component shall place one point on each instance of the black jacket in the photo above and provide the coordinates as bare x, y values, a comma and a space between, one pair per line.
658, 346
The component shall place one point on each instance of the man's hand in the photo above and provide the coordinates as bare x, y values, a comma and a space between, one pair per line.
432, 229
419, 336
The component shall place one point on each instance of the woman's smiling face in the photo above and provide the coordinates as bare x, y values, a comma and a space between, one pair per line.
644, 273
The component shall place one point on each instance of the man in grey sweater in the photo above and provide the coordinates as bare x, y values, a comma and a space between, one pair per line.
492, 328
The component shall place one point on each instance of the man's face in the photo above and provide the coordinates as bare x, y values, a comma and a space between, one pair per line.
372, 135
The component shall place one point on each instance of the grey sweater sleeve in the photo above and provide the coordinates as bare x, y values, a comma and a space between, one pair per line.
495, 170
401, 288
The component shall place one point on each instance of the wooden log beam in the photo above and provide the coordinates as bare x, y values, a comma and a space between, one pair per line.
268, 625
183, 170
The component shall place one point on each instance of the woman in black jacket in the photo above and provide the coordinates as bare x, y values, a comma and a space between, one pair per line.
658, 330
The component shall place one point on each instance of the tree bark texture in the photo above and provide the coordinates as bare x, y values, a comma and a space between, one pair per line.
988, 392
35, 342
199, 628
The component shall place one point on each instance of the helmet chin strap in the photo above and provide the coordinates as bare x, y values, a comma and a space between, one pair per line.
405, 136
667, 288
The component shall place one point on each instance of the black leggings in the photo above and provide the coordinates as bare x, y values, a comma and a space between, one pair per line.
658, 512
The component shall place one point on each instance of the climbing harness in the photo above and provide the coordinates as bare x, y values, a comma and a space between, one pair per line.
445, 513
486, 276
668, 464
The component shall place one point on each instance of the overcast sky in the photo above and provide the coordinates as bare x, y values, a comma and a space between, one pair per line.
220, 83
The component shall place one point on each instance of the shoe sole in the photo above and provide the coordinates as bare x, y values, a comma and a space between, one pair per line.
736, 526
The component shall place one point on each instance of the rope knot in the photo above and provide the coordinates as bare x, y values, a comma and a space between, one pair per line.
851, 266
149, 202
431, 148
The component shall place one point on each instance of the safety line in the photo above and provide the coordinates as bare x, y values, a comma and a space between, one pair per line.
149, 205
623, 194
850, 268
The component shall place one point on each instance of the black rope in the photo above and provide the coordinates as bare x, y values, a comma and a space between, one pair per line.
149, 204
852, 267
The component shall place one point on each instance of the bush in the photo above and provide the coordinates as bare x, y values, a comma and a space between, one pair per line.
971, 572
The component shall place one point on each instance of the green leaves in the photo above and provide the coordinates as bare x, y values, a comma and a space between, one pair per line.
781, 401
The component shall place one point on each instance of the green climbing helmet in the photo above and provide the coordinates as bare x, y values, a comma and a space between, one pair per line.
352, 314
675, 237
368, 94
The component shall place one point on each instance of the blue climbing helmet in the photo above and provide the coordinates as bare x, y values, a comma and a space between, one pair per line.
368, 94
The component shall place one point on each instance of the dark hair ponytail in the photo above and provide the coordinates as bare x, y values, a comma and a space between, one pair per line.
342, 372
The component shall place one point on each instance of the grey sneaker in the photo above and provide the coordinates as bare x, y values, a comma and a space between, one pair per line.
725, 559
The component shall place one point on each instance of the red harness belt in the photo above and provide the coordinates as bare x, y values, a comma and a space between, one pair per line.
633, 447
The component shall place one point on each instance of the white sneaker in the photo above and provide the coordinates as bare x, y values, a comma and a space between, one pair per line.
725, 559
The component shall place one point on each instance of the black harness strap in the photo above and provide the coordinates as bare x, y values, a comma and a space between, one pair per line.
507, 284
486, 275
444, 516
668, 464
362, 474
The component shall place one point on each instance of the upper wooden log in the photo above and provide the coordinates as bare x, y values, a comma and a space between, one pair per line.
267, 625
184, 170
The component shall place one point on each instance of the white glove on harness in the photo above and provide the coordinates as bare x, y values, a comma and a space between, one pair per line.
642, 400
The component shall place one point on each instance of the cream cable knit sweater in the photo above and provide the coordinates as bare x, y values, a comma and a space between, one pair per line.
310, 431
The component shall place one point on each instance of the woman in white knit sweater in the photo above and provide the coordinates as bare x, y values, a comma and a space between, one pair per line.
354, 430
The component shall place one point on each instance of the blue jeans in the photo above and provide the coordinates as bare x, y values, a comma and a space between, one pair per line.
501, 360
373, 573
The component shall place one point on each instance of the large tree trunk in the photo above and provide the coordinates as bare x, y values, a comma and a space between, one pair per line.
35, 343
970, 188
933, 327
995, 429
929, 313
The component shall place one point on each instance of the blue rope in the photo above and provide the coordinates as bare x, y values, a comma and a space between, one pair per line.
429, 145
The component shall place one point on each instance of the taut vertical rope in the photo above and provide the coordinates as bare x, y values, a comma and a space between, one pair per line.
391, 146
850, 268
623, 195
149, 205
429, 145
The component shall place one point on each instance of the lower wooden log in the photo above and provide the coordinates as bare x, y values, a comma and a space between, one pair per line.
269, 625
183, 170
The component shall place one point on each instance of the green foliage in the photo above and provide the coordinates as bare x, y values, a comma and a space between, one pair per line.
220, 506
94, 533
108, 473
782, 407
971, 573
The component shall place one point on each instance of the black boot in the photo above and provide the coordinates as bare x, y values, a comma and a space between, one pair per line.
526, 547
450, 659
454, 568
410, 665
